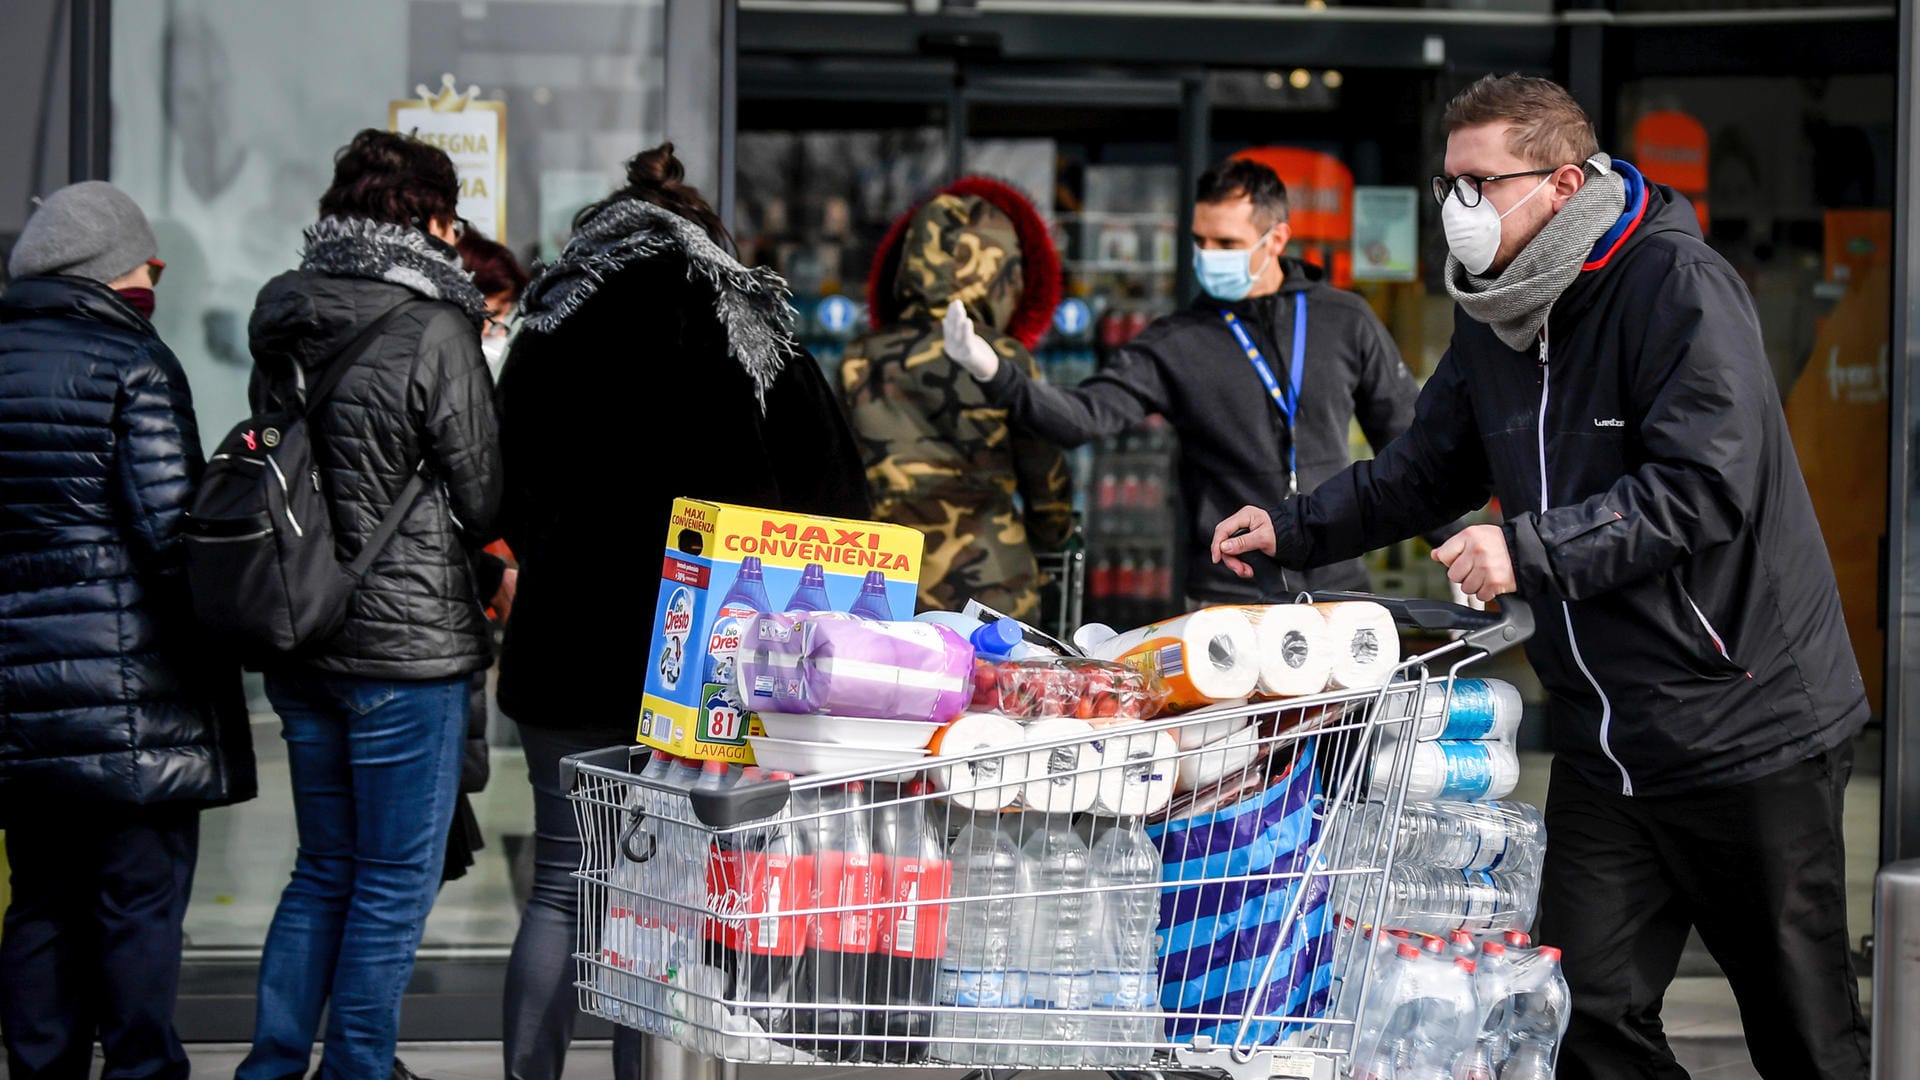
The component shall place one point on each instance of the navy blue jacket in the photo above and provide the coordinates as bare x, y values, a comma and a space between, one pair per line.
105, 696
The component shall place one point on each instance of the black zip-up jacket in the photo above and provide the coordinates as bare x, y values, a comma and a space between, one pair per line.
108, 692
419, 397
1690, 630
1189, 368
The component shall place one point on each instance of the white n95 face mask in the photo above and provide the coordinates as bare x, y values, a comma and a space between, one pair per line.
1473, 232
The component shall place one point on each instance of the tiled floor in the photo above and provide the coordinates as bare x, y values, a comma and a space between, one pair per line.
1717, 1058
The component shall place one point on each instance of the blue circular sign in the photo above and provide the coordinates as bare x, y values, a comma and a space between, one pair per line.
835, 314
1072, 316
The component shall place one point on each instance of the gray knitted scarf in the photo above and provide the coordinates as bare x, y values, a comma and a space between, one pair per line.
359, 247
750, 303
1515, 304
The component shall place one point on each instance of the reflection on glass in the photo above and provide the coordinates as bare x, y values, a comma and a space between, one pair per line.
1794, 180
226, 117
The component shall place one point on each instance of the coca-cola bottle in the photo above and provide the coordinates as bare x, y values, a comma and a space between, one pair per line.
777, 877
846, 886
914, 872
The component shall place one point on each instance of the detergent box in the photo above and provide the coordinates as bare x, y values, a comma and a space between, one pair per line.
723, 565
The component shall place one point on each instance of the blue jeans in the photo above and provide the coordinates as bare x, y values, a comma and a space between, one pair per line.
375, 768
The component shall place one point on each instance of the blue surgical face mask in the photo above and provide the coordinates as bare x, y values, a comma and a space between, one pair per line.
1225, 274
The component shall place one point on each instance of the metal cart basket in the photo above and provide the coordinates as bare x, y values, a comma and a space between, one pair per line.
782, 921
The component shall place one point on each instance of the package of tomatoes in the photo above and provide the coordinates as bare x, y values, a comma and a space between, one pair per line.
1097, 691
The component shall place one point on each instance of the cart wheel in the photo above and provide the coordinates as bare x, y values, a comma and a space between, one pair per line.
990, 1074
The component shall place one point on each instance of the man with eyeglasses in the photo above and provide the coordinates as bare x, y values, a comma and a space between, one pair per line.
1607, 381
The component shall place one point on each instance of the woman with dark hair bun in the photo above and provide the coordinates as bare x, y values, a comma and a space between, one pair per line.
649, 364
373, 717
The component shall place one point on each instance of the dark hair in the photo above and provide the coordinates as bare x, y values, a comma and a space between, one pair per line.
1236, 177
656, 176
383, 176
1546, 128
493, 267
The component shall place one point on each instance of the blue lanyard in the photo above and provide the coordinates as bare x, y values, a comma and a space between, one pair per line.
1287, 400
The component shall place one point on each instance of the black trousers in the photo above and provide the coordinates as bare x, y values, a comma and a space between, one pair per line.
1759, 868
540, 1004
92, 943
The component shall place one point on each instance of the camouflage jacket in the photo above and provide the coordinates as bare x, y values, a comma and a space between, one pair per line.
939, 457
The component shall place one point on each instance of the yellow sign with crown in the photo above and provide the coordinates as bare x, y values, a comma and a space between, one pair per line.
474, 134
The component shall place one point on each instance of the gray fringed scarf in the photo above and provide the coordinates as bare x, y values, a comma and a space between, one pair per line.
1516, 303
751, 304
359, 247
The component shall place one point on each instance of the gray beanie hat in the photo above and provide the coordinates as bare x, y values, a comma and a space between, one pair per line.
90, 229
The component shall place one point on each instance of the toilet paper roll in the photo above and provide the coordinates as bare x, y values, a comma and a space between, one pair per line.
1196, 730
1365, 644
988, 783
1061, 780
1208, 656
1137, 773
1296, 648
1216, 761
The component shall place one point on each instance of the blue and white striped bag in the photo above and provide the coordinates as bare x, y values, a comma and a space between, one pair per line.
1215, 939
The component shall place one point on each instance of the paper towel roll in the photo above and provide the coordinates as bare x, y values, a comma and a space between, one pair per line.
1196, 730
1365, 643
988, 783
1296, 648
1061, 780
1137, 773
1208, 656
1216, 761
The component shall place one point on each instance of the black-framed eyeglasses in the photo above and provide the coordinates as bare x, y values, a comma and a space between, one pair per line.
1468, 188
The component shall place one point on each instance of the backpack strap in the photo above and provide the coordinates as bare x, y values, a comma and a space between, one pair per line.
389, 524
346, 358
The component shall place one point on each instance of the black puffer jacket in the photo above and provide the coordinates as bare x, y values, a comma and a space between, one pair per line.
1689, 626
420, 396
104, 694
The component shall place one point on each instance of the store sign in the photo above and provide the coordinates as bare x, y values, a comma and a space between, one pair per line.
474, 134
835, 314
1072, 317
1319, 191
1386, 233
1670, 147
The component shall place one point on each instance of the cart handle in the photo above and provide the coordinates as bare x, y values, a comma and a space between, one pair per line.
739, 804
1488, 631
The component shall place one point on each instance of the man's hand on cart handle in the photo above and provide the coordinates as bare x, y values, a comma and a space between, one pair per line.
1250, 531
1477, 560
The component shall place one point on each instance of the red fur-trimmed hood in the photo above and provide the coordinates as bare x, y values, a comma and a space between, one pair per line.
888, 296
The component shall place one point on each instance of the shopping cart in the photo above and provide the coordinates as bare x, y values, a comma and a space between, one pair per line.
1063, 577
687, 932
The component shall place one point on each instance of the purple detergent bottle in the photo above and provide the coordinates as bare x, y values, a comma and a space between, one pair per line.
812, 593
747, 598
872, 601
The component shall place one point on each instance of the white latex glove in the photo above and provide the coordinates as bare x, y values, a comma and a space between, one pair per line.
966, 348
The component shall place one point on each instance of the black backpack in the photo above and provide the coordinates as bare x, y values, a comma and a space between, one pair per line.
261, 558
